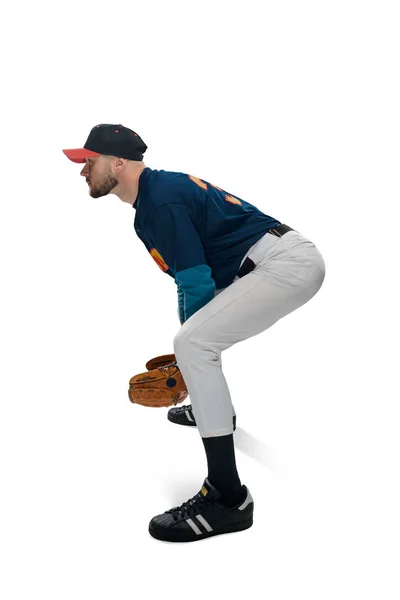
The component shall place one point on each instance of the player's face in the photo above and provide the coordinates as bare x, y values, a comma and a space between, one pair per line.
99, 176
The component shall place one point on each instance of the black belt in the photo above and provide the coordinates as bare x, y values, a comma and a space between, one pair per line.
248, 264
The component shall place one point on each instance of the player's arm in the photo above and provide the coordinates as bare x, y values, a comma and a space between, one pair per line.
177, 240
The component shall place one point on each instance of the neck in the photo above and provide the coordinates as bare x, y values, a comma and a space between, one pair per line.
128, 191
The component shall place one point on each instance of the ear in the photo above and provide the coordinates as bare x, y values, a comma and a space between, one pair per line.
119, 163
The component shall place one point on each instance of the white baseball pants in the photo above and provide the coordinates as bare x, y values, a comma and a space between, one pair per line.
289, 271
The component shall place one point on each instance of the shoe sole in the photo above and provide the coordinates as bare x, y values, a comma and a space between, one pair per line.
243, 525
189, 423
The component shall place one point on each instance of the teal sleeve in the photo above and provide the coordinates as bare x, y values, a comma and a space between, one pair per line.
196, 288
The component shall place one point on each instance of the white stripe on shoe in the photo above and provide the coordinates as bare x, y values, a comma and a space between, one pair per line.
193, 526
246, 502
189, 417
204, 522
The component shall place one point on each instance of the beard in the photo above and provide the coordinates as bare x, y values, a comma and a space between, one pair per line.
105, 187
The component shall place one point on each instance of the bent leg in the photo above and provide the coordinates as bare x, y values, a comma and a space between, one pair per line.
250, 305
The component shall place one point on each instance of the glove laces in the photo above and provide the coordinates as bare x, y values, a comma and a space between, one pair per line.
166, 367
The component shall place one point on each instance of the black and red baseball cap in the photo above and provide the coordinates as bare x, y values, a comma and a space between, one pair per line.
113, 140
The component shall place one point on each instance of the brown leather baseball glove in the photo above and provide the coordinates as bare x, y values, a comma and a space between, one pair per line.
161, 385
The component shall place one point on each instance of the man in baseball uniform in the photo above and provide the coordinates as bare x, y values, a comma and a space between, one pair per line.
237, 271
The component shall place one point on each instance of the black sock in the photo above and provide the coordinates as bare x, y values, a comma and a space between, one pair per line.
222, 472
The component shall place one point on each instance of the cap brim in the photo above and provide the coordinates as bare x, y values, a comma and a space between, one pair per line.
79, 155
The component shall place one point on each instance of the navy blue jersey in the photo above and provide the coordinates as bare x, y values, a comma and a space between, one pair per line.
196, 232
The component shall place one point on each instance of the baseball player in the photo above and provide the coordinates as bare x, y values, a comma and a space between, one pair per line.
237, 271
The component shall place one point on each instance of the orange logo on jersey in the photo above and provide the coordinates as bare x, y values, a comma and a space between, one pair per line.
233, 200
199, 182
203, 185
159, 259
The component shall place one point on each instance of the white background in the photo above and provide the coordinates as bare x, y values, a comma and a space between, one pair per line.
293, 106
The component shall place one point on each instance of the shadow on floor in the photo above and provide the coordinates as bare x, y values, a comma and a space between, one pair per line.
251, 446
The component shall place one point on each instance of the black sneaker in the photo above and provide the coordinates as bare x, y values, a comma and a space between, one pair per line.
183, 415
203, 516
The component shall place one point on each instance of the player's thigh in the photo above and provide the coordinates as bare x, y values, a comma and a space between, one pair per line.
254, 303
243, 309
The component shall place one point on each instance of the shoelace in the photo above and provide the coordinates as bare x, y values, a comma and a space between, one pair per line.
183, 408
190, 508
